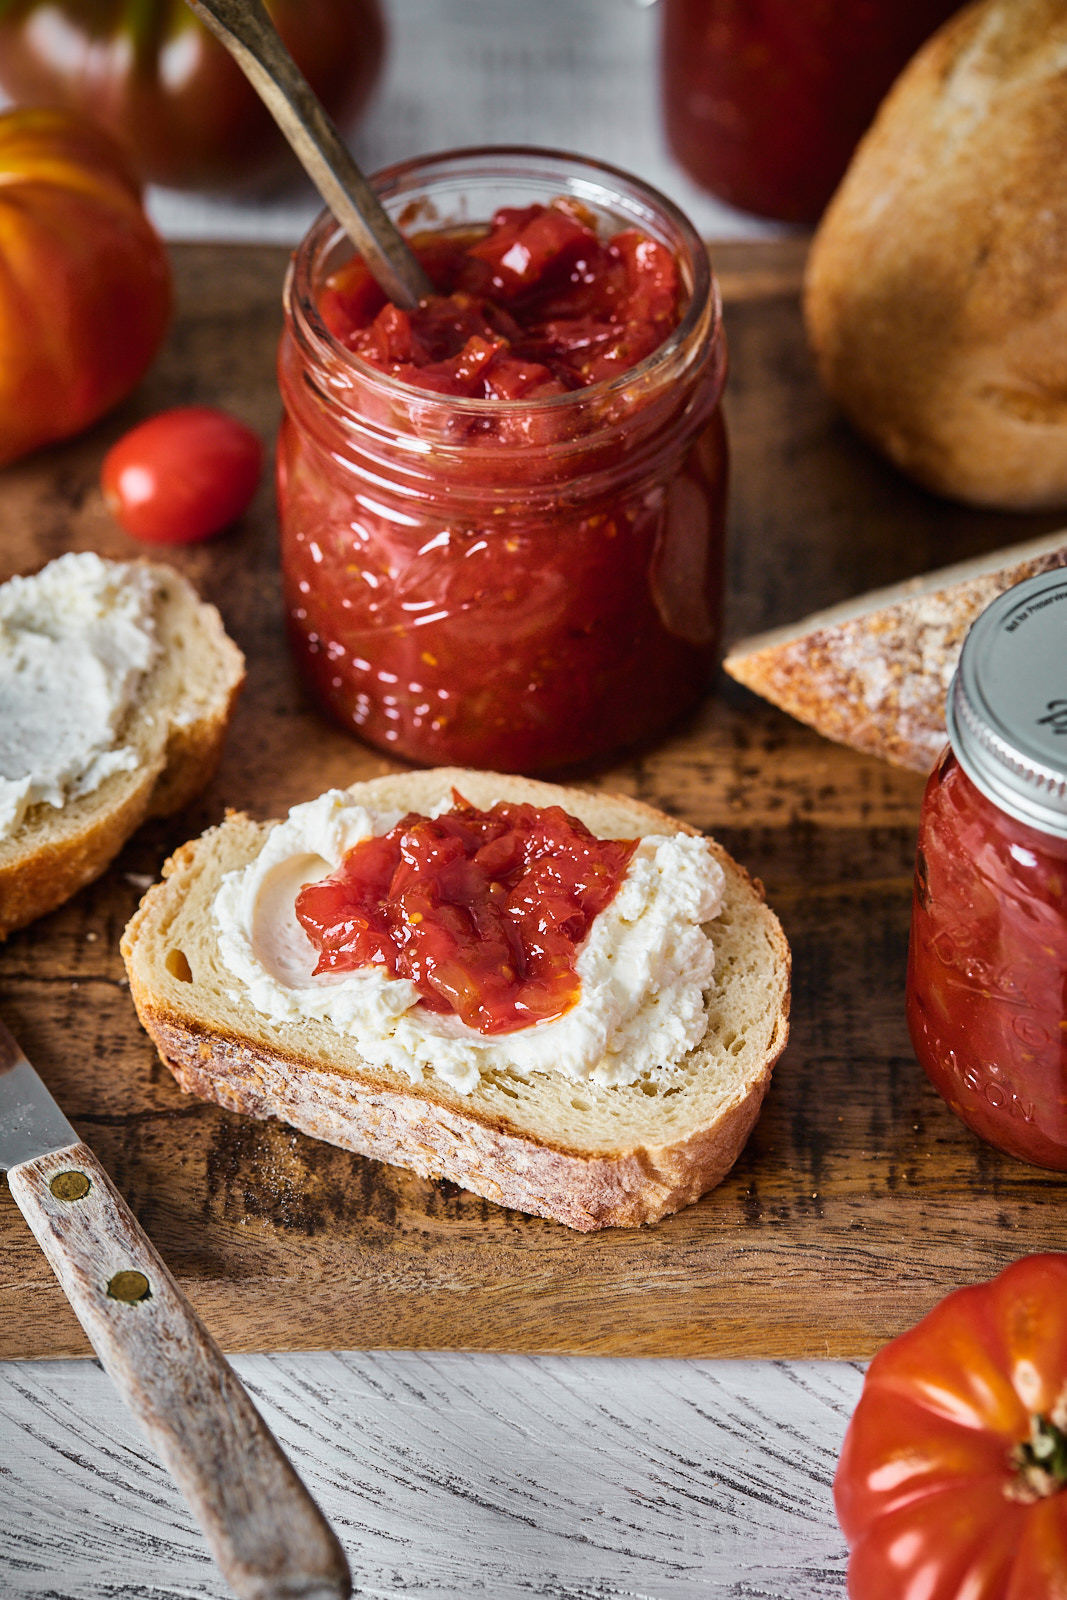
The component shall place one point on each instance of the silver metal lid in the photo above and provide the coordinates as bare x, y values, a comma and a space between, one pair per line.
1007, 705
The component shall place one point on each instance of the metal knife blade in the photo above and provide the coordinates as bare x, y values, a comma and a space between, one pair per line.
31, 1124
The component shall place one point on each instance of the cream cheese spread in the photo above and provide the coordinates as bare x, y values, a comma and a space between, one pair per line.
75, 641
643, 967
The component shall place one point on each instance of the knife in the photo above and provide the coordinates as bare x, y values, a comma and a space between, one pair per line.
268, 1536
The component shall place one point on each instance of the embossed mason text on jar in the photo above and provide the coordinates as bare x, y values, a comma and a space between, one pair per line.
987, 966
502, 516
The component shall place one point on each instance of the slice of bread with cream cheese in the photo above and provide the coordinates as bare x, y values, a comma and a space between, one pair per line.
628, 1106
116, 687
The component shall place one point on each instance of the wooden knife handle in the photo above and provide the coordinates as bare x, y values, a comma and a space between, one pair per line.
268, 1536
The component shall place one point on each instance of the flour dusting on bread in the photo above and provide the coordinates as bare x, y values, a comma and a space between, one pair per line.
874, 672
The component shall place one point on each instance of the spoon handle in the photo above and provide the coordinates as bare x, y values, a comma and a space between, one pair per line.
250, 36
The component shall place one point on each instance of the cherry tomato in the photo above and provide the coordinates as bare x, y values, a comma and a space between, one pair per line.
153, 74
85, 290
952, 1482
182, 475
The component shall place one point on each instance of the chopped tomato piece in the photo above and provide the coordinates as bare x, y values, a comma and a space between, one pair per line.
483, 911
534, 306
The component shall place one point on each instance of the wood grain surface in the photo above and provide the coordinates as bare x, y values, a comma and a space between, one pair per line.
449, 1476
858, 1201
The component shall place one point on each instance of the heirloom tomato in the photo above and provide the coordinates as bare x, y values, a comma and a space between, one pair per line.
85, 289
165, 86
182, 475
952, 1483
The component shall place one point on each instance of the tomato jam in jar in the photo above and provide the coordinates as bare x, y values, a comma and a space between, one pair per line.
765, 100
987, 966
502, 517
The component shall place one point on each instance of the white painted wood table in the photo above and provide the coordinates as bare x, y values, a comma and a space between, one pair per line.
449, 1475
454, 1474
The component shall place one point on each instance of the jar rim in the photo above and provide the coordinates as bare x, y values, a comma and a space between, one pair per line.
704, 294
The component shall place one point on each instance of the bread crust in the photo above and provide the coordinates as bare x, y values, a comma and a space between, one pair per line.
936, 289
874, 673
480, 1141
36, 879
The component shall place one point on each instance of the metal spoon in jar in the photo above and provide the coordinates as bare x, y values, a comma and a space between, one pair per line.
250, 36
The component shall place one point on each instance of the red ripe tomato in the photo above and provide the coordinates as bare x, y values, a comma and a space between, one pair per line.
952, 1482
85, 291
154, 75
182, 475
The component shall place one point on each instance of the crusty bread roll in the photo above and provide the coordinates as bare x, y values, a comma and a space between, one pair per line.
936, 289
588, 1156
874, 672
176, 727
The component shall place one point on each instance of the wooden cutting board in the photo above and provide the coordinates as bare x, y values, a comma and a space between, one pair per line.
859, 1200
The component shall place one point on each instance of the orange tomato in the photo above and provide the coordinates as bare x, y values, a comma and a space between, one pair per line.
952, 1482
85, 287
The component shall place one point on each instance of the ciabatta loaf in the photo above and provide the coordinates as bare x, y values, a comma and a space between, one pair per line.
586, 1155
936, 288
874, 672
173, 729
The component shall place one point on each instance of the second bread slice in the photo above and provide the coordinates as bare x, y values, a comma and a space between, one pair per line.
874, 672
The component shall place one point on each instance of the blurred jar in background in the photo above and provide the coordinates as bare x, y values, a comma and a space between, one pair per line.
765, 100
153, 75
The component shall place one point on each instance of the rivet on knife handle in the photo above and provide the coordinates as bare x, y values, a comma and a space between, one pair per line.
267, 1534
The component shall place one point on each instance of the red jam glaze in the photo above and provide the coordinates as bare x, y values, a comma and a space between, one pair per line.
567, 635
535, 307
482, 910
987, 969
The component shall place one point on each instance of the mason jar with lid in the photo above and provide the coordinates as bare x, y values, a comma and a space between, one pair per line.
524, 583
987, 966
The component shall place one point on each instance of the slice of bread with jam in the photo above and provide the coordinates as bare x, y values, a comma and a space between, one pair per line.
587, 1155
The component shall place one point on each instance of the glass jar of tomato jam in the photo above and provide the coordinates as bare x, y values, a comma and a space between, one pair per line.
987, 966
765, 100
515, 583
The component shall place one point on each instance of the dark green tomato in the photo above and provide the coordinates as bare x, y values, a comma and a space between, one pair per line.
149, 71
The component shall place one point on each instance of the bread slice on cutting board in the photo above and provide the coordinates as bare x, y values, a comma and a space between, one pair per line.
874, 672
175, 727
589, 1156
